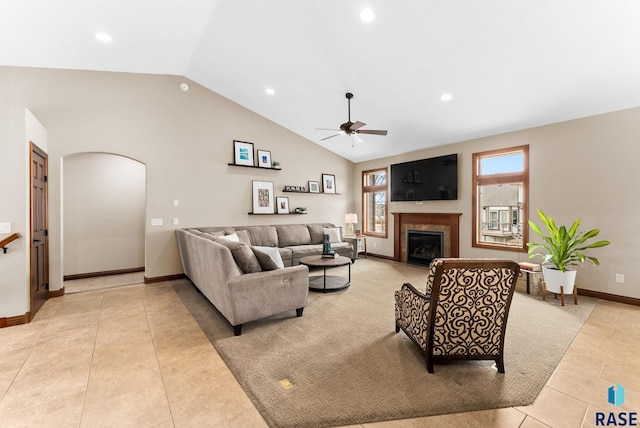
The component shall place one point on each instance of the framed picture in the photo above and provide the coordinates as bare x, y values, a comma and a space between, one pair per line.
264, 159
243, 153
283, 204
314, 187
263, 198
328, 183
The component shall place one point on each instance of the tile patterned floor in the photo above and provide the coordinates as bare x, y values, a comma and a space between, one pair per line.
134, 356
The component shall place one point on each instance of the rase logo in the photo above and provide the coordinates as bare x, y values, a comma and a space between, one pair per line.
615, 396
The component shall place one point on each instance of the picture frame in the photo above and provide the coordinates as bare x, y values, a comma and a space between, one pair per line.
328, 183
264, 159
314, 187
263, 197
243, 153
282, 202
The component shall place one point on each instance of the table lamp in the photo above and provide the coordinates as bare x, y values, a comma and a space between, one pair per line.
350, 219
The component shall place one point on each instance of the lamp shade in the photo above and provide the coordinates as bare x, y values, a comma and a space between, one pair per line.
350, 218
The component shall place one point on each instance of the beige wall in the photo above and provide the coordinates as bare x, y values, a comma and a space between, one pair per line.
18, 127
104, 213
582, 168
185, 139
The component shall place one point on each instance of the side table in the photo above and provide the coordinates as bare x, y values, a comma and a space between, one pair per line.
359, 242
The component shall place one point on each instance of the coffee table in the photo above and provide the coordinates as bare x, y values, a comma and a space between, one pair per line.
329, 283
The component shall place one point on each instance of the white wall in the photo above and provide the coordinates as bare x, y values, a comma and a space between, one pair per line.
582, 168
17, 128
185, 139
103, 212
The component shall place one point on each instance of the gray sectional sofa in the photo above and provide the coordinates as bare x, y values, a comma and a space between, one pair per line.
239, 276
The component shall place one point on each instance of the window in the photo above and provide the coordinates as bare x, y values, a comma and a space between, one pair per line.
501, 199
374, 202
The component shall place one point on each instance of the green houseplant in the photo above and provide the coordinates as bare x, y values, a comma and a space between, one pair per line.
562, 250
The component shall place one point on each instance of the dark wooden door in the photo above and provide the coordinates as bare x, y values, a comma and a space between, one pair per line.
39, 232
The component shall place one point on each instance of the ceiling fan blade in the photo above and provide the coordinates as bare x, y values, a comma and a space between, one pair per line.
373, 131
357, 124
330, 136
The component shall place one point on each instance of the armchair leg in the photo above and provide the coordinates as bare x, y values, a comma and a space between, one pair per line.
299, 312
429, 365
397, 328
500, 364
237, 330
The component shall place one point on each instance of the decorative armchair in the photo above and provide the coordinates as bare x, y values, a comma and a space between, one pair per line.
463, 313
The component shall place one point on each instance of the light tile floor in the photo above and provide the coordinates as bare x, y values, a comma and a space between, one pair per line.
134, 356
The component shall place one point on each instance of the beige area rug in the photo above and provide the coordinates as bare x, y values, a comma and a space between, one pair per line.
348, 366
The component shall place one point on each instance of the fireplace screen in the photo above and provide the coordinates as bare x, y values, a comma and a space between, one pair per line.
424, 246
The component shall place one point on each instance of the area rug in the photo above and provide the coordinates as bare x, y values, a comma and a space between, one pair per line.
342, 363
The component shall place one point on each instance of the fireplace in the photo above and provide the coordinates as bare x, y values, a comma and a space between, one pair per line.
424, 246
447, 224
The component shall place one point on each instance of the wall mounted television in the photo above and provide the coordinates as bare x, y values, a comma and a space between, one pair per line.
431, 179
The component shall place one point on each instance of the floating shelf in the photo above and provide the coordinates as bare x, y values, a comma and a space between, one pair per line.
312, 193
253, 166
276, 213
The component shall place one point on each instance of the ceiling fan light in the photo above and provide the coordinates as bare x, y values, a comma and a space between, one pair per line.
356, 138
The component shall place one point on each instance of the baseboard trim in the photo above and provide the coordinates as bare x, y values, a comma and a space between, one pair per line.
56, 293
164, 278
380, 256
612, 297
103, 273
17, 320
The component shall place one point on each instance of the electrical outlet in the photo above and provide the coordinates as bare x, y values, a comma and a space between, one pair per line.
620, 278
176, 203
5, 227
175, 221
374, 245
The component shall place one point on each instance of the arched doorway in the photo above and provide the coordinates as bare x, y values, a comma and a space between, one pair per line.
103, 210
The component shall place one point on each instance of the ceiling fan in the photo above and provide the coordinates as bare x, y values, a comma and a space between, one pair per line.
352, 128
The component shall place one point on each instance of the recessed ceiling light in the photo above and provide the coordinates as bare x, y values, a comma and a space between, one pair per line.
103, 37
446, 97
367, 15
184, 87
270, 91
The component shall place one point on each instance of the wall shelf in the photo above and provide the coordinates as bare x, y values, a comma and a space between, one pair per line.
311, 193
291, 213
253, 166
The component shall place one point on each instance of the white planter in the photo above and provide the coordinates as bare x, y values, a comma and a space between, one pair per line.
554, 278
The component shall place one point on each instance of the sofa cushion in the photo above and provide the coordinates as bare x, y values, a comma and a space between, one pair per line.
242, 236
269, 258
294, 234
334, 234
316, 231
233, 237
264, 236
242, 254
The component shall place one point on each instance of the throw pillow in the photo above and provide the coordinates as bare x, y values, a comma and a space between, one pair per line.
243, 236
334, 235
242, 254
269, 258
231, 237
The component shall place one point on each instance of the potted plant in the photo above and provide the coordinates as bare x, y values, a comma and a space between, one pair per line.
562, 252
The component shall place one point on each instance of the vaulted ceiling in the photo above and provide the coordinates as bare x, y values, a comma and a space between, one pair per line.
507, 64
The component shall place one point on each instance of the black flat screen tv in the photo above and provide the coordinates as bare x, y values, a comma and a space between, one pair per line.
431, 179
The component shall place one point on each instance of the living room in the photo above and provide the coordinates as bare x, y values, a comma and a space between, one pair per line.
582, 167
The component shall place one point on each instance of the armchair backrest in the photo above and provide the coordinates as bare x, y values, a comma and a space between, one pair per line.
469, 306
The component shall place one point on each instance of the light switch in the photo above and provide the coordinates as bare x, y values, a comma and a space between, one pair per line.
175, 221
5, 227
176, 203
156, 222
